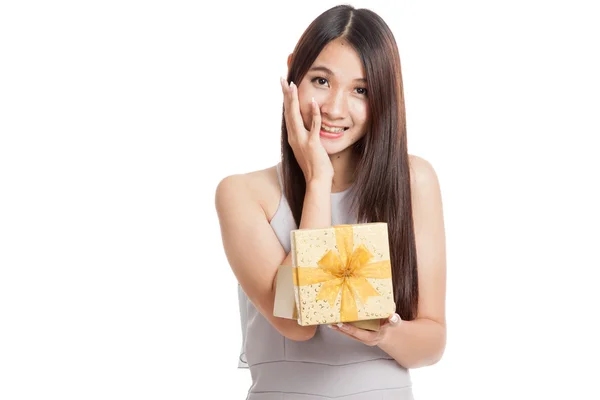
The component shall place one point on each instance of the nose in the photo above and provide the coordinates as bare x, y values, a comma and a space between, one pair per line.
335, 105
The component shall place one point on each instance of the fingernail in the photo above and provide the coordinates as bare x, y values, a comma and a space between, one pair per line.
395, 319
330, 326
341, 326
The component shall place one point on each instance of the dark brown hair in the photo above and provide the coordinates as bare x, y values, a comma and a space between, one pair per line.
381, 190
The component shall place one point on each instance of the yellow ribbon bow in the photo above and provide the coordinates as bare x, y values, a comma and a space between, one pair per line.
345, 270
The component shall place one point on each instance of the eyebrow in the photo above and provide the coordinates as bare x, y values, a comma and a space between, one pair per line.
330, 72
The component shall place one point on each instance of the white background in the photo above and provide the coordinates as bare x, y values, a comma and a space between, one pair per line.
119, 118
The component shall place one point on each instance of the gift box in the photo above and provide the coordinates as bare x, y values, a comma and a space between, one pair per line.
338, 274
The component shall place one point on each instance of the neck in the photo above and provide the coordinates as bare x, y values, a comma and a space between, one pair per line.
343, 170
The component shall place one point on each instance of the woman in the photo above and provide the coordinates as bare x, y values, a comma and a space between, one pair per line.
344, 160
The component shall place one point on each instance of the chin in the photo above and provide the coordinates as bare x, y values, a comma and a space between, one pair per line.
333, 149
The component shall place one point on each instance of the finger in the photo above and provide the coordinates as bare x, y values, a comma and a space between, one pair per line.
359, 334
285, 89
283, 83
368, 343
316, 119
394, 319
294, 111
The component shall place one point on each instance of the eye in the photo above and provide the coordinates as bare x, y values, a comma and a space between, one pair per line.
320, 81
362, 91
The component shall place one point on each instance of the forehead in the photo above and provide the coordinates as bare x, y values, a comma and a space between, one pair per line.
341, 58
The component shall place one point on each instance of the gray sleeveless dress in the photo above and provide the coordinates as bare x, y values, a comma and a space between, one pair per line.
328, 366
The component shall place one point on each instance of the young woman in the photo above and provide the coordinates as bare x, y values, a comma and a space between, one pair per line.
344, 160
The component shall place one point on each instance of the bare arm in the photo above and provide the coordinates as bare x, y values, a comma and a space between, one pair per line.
422, 342
252, 248
254, 251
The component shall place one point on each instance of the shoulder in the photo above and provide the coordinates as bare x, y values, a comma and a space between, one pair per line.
422, 173
260, 188
425, 191
424, 185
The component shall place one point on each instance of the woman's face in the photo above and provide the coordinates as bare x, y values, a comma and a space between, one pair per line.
338, 83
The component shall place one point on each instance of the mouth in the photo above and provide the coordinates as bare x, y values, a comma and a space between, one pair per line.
332, 132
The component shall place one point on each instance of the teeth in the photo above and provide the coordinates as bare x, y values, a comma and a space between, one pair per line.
332, 130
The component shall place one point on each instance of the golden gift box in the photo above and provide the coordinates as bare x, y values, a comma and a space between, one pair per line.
338, 274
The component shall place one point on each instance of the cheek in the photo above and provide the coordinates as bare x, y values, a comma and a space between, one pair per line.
360, 112
305, 112
305, 100
320, 96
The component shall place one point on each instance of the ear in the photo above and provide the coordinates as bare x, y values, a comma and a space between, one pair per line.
289, 60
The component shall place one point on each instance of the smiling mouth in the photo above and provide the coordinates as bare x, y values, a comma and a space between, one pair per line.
331, 129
